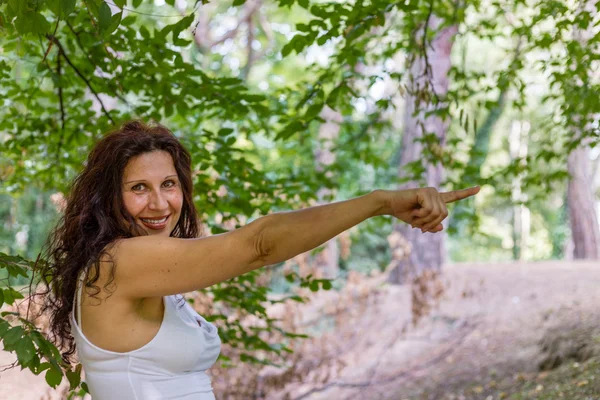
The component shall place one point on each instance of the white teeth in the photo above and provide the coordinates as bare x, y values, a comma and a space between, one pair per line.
154, 221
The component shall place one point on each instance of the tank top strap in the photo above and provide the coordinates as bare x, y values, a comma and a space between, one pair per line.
78, 290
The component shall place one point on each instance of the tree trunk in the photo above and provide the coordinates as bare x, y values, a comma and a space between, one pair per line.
413, 252
519, 144
585, 230
327, 260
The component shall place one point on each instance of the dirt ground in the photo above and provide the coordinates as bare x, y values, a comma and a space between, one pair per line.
487, 332
492, 331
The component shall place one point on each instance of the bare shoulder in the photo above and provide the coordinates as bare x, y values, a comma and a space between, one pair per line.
156, 266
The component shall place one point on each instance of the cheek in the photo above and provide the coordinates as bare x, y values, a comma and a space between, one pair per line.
134, 204
177, 201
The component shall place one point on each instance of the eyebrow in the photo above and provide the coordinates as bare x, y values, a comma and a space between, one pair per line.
141, 180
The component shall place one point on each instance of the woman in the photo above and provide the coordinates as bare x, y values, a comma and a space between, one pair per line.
129, 231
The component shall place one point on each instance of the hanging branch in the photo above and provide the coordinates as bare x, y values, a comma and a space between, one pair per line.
50, 45
250, 50
204, 43
104, 46
62, 107
87, 82
78, 40
428, 71
270, 37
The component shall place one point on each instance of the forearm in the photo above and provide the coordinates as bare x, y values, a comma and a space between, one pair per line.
287, 234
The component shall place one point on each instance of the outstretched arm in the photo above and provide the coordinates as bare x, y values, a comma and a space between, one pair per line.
152, 266
284, 235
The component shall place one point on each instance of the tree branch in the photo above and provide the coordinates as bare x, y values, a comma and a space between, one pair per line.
50, 45
428, 71
78, 40
268, 33
62, 108
202, 38
87, 82
249, 49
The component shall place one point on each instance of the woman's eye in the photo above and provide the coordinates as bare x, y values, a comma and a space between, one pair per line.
169, 183
139, 186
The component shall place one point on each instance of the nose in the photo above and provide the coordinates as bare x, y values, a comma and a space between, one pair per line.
158, 201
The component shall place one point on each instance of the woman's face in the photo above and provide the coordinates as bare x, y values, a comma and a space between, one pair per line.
152, 192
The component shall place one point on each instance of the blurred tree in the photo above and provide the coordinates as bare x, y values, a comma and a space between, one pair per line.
581, 200
423, 121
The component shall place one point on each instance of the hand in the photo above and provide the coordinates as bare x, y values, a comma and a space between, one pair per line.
424, 208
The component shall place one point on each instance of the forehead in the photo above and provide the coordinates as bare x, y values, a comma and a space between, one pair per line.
147, 166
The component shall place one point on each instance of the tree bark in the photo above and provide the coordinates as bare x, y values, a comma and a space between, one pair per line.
583, 218
412, 251
518, 149
581, 201
327, 260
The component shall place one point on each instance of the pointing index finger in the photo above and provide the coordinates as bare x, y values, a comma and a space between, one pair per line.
455, 195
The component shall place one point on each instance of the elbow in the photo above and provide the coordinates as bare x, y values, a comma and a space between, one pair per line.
261, 243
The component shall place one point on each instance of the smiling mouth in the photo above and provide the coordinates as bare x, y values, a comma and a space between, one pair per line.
155, 223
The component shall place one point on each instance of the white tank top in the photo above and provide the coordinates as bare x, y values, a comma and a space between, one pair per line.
171, 366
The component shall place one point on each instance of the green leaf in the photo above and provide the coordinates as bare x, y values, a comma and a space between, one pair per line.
303, 27
19, 7
184, 23
54, 377
144, 32
41, 368
32, 23
13, 335
25, 351
115, 20
4, 327
181, 42
327, 285
136, 3
104, 17
290, 129
297, 43
319, 11
74, 377
128, 20
314, 110
120, 3
67, 7
225, 131
42, 344
8, 295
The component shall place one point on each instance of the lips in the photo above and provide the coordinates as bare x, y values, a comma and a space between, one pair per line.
155, 223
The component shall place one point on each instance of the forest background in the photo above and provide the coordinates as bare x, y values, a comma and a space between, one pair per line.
288, 104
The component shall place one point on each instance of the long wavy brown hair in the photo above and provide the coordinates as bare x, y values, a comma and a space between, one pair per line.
94, 217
